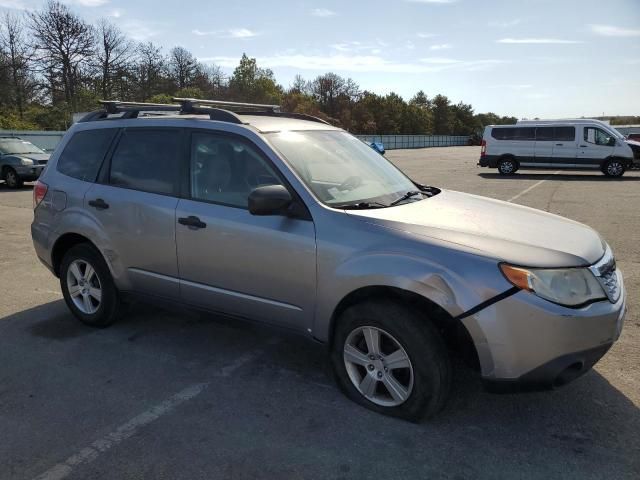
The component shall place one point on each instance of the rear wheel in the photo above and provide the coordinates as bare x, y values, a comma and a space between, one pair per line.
614, 168
388, 358
88, 287
507, 166
12, 179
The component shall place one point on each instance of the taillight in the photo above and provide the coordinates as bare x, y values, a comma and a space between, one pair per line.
483, 151
39, 191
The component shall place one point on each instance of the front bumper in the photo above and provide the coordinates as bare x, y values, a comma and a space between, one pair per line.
29, 172
530, 342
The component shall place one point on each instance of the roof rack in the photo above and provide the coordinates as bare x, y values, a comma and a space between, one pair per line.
231, 113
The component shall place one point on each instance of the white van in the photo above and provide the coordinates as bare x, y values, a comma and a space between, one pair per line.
558, 144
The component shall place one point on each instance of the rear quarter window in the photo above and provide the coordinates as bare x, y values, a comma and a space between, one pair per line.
83, 155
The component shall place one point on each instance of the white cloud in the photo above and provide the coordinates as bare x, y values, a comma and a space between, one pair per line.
115, 13
440, 2
323, 12
439, 60
87, 3
141, 31
426, 35
505, 24
16, 4
442, 46
357, 63
513, 87
537, 41
613, 31
231, 33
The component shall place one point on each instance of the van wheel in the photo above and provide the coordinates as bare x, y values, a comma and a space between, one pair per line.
12, 179
87, 286
390, 359
507, 166
614, 168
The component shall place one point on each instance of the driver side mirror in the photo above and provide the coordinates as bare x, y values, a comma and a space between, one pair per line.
269, 200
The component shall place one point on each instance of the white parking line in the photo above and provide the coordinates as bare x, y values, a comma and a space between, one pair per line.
527, 190
130, 428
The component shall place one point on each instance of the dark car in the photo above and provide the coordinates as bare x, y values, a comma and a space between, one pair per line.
20, 161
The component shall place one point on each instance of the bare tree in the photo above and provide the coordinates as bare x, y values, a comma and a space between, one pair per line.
17, 59
64, 44
150, 69
182, 67
113, 54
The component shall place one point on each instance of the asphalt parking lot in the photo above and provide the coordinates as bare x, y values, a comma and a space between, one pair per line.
171, 394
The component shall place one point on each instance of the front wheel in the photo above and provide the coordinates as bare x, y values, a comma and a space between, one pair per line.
12, 179
507, 166
87, 286
614, 168
390, 359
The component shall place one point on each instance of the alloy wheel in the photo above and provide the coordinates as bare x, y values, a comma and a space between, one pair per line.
378, 366
84, 286
615, 169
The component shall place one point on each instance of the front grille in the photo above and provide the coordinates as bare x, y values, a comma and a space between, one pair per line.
606, 272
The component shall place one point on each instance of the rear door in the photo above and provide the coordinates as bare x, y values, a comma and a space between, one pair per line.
593, 147
261, 267
564, 146
135, 204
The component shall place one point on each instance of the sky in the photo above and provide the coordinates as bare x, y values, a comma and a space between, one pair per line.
526, 58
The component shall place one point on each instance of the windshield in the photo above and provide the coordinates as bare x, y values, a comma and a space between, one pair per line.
341, 170
17, 146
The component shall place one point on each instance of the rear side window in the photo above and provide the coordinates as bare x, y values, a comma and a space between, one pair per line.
147, 160
545, 134
517, 133
84, 153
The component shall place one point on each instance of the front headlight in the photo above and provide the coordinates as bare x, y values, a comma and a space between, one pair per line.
26, 161
566, 286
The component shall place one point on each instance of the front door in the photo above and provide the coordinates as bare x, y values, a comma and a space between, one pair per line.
594, 147
260, 267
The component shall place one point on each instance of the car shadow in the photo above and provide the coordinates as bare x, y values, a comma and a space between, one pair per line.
588, 421
564, 177
24, 187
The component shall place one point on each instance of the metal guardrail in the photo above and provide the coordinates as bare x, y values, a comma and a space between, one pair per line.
47, 140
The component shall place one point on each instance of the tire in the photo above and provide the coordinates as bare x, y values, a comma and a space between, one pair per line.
80, 288
12, 179
425, 383
507, 166
614, 168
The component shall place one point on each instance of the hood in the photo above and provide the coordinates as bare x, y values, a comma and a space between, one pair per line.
504, 231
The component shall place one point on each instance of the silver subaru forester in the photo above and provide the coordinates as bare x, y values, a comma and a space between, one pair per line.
244, 210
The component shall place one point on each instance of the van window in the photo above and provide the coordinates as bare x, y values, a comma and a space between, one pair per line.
83, 155
565, 134
596, 135
545, 134
147, 160
514, 133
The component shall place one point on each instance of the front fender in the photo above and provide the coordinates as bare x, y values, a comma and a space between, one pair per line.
453, 292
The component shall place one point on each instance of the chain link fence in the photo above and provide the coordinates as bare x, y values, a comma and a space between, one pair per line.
392, 142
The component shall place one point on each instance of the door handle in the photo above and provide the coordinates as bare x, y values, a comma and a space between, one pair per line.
583, 146
559, 144
99, 204
192, 221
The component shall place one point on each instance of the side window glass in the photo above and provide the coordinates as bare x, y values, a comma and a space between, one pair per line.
597, 136
544, 134
83, 155
225, 169
147, 160
565, 134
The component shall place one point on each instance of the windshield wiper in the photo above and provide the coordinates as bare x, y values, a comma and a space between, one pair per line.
406, 196
360, 205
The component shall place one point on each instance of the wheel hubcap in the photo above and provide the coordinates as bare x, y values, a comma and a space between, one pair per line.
84, 286
614, 168
378, 366
507, 167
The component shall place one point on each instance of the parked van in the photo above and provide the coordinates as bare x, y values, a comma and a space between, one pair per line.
565, 144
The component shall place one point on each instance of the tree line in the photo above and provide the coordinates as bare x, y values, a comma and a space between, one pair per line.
53, 63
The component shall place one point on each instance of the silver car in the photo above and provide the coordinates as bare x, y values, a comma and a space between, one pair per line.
20, 161
284, 219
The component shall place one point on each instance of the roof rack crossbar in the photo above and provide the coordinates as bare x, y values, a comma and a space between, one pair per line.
188, 103
112, 107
